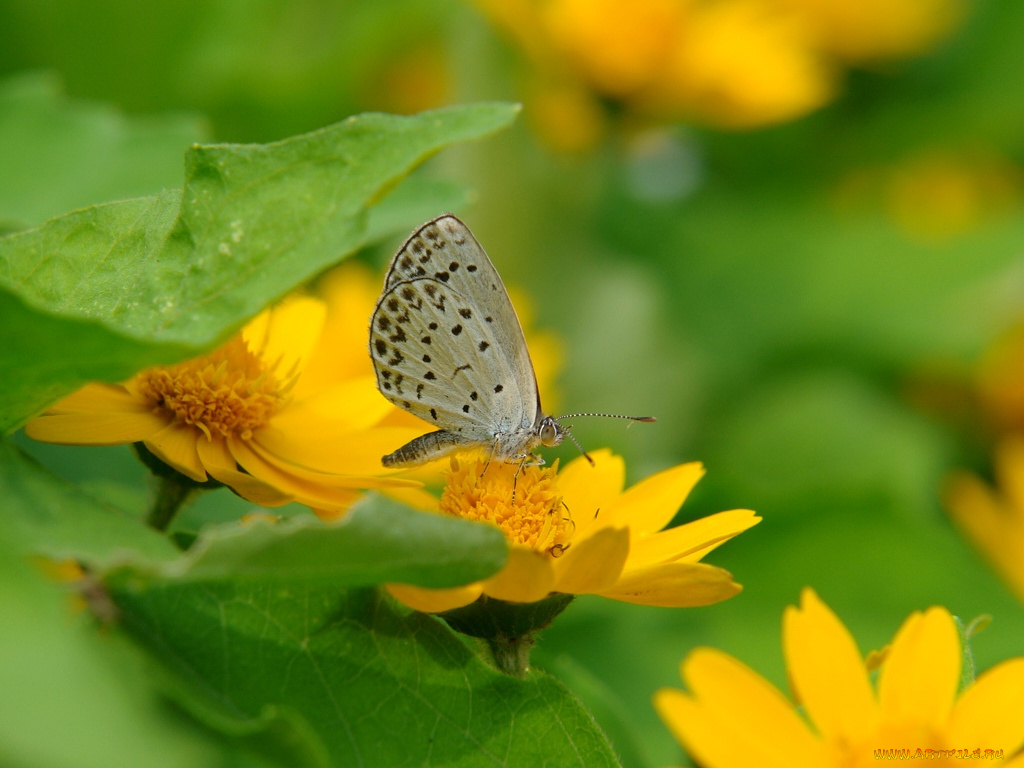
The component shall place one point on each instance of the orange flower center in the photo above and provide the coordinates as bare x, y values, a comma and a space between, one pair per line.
231, 391
523, 502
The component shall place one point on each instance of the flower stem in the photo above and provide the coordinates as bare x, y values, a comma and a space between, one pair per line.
510, 629
512, 653
170, 497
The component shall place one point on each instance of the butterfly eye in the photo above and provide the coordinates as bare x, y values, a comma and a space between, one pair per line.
550, 433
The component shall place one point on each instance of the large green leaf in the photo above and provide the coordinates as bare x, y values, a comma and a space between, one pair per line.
378, 541
51, 517
44, 356
258, 219
343, 662
155, 278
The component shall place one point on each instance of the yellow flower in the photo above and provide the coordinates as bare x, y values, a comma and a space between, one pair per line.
618, 48
733, 718
741, 64
727, 63
731, 63
937, 194
1000, 381
577, 532
994, 520
269, 413
946, 193
869, 30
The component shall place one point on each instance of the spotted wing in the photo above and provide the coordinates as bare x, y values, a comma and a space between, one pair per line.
444, 249
446, 344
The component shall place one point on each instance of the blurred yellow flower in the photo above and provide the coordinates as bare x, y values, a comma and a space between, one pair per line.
945, 193
731, 717
741, 64
1000, 382
414, 79
286, 410
618, 48
577, 532
871, 30
728, 63
993, 519
937, 194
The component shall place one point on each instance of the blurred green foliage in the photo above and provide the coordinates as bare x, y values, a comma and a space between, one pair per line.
778, 298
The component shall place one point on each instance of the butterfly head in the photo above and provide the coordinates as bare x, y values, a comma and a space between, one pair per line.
551, 433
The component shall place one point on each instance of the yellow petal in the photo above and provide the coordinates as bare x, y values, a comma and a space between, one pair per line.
322, 449
97, 414
526, 577
976, 509
326, 492
332, 479
990, 713
221, 465
593, 564
417, 498
350, 292
287, 333
651, 504
994, 527
586, 489
434, 600
734, 718
346, 406
1009, 460
215, 456
98, 397
826, 671
919, 679
343, 500
175, 445
691, 541
981, 713
674, 585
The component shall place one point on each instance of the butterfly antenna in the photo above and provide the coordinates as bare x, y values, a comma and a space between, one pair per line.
647, 419
606, 415
579, 447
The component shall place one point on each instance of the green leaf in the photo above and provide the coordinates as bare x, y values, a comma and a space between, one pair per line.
344, 661
378, 541
258, 219
51, 517
274, 737
60, 154
43, 357
69, 700
609, 711
166, 279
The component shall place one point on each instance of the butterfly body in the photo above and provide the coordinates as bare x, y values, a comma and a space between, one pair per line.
447, 346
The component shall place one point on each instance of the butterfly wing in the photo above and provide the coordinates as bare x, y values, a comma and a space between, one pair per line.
446, 342
446, 250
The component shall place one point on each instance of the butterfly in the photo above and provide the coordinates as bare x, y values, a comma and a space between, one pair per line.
447, 346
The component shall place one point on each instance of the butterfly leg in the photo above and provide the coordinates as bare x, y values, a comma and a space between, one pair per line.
486, 464
490, 455
532, 460
515, 477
